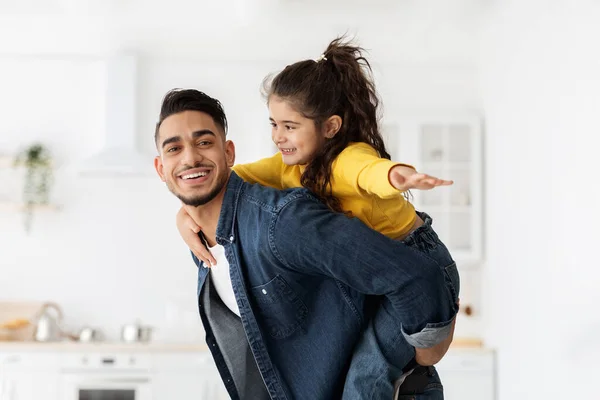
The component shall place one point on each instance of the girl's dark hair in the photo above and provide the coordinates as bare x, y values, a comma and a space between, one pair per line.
339, 83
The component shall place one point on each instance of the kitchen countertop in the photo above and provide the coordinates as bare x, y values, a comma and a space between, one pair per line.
69, 346
156, 347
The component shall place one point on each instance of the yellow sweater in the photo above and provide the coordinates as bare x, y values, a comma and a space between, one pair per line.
359, 180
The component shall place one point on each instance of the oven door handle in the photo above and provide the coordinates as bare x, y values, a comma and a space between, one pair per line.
118, 380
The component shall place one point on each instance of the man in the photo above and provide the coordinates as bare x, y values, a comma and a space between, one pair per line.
283, 320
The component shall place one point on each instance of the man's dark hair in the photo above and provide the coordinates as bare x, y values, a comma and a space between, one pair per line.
180, 100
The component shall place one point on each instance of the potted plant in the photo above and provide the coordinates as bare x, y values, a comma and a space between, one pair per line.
37, 162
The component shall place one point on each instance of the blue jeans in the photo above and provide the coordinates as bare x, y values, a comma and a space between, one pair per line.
385, 350
423, 383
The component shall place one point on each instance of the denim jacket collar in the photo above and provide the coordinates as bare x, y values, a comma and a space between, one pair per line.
225, 227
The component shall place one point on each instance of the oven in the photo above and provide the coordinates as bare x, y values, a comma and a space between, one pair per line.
106, 377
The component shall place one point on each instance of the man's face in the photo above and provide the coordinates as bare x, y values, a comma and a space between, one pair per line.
194, 157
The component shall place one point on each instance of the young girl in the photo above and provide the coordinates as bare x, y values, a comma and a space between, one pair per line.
324, 122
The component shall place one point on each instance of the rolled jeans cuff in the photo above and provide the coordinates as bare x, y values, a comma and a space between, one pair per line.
429, 336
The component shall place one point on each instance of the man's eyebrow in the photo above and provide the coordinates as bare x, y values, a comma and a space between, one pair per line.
203, 132
285, 121
172, 139
195, 135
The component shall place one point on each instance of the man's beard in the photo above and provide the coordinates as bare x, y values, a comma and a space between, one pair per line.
197, 201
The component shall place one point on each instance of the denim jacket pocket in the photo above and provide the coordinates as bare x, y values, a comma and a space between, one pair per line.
279, 307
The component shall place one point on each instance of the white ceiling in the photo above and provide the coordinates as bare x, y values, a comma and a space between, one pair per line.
236, 29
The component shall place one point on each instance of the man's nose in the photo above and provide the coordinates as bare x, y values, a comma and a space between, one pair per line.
191, 157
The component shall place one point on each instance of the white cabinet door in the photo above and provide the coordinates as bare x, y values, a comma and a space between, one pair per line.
28, 385
188, 385
187, 377
449, 147
11, 385
468, 375
467, 385
28, 377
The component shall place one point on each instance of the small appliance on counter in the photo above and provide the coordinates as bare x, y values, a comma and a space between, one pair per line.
88, 334
85, 334
132, 333
48, 323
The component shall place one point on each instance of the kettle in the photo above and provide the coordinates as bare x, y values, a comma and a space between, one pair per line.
48, 323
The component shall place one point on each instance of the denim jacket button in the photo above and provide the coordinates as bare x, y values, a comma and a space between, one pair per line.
231, 238
264, 291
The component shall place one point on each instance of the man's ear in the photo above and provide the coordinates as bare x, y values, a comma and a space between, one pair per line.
230, 153
332, 126
158, 165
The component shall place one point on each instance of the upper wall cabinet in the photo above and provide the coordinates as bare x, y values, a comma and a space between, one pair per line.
449, 147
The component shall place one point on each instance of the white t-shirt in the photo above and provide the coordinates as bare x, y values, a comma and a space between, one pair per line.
222, 280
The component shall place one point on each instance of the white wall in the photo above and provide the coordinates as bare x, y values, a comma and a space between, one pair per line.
113, 253
540, 68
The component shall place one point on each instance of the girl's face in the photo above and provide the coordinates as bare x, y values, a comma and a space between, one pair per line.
296, 136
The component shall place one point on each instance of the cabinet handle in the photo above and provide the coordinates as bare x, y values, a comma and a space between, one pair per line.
7, 389
13, 359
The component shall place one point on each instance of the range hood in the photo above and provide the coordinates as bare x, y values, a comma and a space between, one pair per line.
119, 154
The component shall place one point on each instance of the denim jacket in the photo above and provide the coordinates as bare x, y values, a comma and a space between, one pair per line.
301, 275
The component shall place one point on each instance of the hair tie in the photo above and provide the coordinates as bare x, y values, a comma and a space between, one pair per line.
321, 58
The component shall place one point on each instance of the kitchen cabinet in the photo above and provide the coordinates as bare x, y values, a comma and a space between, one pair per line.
185, 374
188, 384
21, 384
28, 376
468, 374
449, 147
187, 377
13, 385
59, 374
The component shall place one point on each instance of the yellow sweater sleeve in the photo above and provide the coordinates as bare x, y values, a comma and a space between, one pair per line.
360, 168
267, 172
